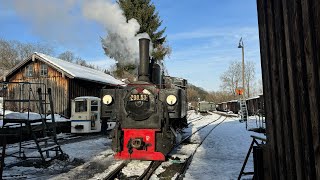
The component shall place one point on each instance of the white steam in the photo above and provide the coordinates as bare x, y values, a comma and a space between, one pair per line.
121, 42
66, 22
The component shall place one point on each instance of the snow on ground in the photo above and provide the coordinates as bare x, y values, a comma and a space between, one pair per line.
223, 152
160, 170
192, 115
111, 167
135, 168
32, 116
220, 157
57, 118
89, 151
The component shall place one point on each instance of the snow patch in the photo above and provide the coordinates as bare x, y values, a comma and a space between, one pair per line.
135, 168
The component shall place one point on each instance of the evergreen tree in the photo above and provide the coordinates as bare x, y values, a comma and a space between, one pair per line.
145, 13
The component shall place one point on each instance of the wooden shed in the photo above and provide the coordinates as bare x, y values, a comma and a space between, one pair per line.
67, 80
289, 43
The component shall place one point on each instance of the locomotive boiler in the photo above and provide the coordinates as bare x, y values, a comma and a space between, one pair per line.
148, 113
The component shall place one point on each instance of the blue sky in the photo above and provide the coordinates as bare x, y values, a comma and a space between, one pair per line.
204, 34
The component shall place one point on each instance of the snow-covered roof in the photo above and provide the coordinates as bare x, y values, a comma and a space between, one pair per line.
206, 102
71, 70
257, 97
86, 97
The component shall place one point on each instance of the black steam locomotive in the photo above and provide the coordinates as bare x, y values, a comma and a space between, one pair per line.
148, 112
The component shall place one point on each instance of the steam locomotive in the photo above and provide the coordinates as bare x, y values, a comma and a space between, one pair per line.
149, 113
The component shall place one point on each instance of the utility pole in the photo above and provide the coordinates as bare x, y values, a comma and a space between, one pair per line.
243, 105
241, 45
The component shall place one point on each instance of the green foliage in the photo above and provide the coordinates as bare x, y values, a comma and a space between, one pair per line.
145, 13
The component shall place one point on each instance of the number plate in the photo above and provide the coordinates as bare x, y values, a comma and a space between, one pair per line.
139, 97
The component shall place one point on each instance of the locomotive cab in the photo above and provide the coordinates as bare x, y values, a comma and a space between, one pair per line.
175, 96
85, 115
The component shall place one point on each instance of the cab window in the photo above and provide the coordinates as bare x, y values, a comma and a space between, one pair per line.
94, 105
81, 106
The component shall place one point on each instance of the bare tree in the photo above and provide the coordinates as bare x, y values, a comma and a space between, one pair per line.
13, 52
67, 56
70, 57
232, 78
257, 88
26, 49
219, 96
82, 62
8, 54
192, 94
249, 76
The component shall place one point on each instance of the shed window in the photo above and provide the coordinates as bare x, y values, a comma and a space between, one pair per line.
44, 70
81, 106
29, 71
94, 105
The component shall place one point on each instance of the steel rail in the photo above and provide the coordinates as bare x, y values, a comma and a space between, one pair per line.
155, 164
150, 170
194, 120
113, 174
189, 159
184, 139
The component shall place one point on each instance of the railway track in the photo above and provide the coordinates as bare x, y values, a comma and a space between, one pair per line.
195, 119
149, 171
187, 137
115, 173
189, 159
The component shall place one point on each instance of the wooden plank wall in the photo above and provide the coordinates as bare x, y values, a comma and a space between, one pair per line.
54, 80
290, 51
83, 88
63, 88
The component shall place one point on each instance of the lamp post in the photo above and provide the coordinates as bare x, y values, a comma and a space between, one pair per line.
241, 45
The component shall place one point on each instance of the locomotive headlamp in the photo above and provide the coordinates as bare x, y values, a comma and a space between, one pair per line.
171, 100
107, 99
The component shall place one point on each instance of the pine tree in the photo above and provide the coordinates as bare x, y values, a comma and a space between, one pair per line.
145, 13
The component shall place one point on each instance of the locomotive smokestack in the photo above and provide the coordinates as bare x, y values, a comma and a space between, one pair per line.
143, 74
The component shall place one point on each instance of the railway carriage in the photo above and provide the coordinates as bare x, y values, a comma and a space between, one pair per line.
205, 106
255, 105
219, 107
224, 106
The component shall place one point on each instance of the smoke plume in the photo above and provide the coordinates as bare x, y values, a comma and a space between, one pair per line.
121, 42
67, 22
